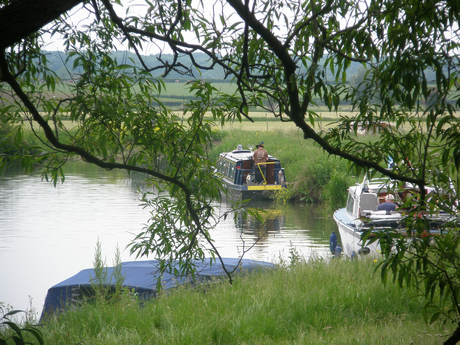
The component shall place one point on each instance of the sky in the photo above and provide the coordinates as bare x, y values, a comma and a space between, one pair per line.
80, 16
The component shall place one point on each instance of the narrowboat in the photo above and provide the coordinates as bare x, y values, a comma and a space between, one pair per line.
242, 180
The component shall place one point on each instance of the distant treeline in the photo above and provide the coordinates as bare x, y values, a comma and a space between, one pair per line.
60, 65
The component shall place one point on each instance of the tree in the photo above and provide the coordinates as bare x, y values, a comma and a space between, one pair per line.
277, 52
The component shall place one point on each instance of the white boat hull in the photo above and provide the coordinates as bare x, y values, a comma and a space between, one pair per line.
351, 237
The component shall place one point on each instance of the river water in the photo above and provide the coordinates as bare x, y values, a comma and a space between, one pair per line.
48, 233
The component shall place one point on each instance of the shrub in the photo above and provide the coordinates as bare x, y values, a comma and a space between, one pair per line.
335, 190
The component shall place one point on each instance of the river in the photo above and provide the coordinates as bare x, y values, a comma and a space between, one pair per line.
48, 233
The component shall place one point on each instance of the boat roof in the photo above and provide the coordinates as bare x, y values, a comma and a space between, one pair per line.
142, 276
241, 155
383, 185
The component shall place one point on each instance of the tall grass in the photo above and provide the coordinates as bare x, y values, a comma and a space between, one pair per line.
319, 302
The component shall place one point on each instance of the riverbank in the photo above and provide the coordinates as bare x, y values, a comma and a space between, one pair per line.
319, 302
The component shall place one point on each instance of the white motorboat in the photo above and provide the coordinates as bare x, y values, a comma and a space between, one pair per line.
361, 213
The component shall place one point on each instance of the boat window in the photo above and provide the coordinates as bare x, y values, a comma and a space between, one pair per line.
350, 203
220, 167
368, 201
232, 171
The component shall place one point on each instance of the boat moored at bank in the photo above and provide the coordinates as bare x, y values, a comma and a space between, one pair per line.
243, 180
140, 277
362, 213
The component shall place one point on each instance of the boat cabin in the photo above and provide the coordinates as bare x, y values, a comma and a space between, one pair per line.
364, 199
238, 167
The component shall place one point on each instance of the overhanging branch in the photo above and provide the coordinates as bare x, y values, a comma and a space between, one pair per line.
20, 19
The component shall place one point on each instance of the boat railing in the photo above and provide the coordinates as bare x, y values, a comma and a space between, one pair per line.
259, 166
245, 176
248, 176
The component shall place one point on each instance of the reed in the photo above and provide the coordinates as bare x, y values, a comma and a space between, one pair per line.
316, 302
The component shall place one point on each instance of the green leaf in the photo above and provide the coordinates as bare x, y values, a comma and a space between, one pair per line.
434, 317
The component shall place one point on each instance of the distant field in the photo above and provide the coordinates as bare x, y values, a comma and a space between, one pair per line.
176, 93
174, 90
270, 124
266, 122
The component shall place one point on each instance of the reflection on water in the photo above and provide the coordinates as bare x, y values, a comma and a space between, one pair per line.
292, 227
271, 220
48, 234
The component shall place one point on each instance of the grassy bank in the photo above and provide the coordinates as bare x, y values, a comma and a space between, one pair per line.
340, 302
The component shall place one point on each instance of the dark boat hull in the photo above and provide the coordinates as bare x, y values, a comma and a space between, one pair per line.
253, 192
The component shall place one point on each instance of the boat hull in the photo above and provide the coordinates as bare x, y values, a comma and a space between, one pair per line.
350, 236
362, 212
253, 192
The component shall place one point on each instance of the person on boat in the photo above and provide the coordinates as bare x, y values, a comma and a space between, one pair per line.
260, 156
389, 204
239, 148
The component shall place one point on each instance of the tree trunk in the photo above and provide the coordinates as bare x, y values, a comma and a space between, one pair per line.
454, 338
22, 18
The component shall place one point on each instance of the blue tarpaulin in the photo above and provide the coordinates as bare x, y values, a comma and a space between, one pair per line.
142, 276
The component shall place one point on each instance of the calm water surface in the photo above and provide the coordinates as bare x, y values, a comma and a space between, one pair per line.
48, 233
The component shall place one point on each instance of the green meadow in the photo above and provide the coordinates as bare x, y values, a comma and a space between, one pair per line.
175, 94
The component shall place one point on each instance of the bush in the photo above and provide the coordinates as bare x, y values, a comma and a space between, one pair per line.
323, 181
335, 190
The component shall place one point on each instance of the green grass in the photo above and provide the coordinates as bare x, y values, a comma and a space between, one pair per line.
176, 94
337, 302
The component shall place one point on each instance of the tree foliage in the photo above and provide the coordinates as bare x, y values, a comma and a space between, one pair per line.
277, 52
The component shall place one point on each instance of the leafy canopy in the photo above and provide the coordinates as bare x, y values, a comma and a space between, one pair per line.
285, 56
